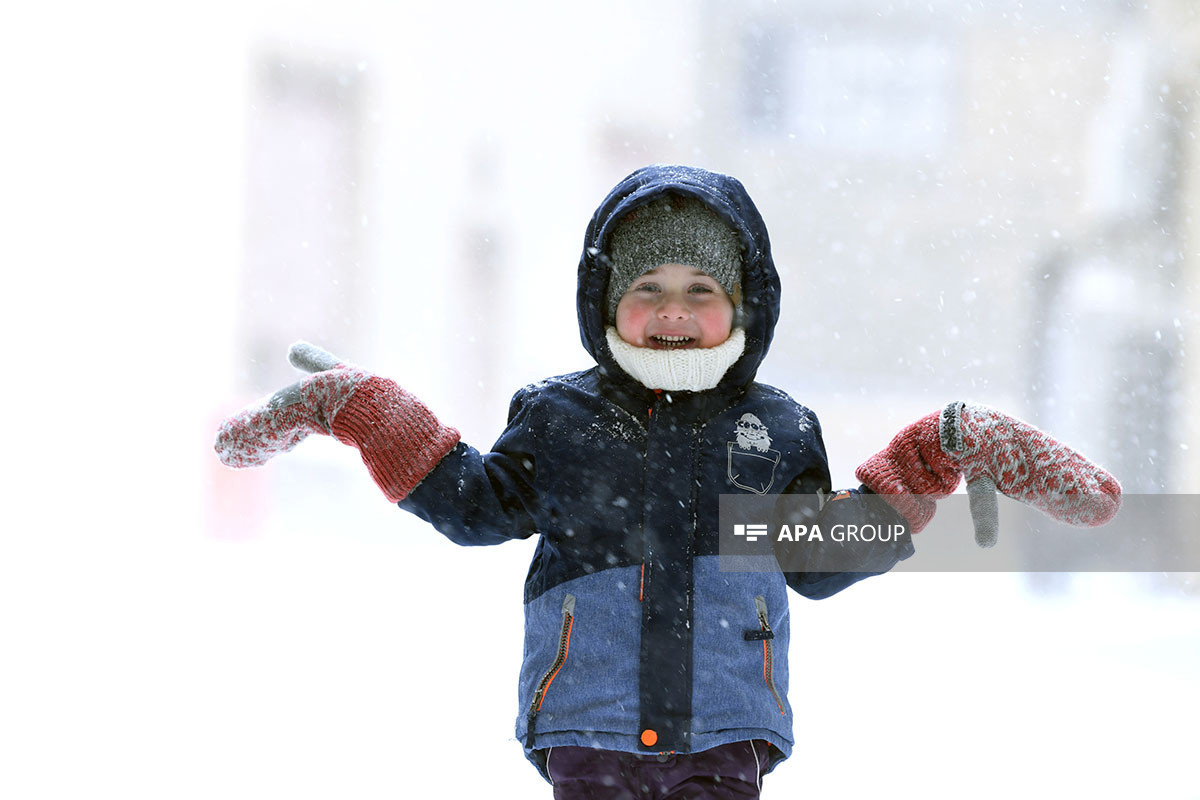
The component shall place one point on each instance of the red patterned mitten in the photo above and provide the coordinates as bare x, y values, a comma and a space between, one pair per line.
399, 438
994, 451
998, 452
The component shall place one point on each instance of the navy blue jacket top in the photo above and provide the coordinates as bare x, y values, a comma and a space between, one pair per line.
634, 639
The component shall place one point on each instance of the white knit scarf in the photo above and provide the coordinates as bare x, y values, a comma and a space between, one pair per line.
690, 370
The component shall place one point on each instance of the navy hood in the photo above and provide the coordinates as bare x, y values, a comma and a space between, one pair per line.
728, 198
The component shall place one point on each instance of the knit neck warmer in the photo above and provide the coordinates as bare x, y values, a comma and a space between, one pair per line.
691, 370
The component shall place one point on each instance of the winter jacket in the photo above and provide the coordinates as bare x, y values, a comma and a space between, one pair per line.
634, 639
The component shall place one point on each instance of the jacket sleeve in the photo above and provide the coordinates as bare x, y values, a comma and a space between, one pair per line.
830, 567
476, 498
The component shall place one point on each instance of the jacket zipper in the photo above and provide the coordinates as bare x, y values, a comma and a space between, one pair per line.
564, 645
768, 636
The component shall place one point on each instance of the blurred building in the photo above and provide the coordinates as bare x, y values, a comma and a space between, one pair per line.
986, 201
976, 202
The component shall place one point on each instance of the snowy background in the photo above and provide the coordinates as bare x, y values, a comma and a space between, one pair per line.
989, 200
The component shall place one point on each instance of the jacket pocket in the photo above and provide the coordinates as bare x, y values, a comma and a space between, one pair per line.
767, 637
560, 657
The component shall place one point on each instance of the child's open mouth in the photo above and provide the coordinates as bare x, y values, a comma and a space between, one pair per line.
671, 342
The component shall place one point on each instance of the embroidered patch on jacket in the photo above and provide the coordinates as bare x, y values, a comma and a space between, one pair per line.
752, 462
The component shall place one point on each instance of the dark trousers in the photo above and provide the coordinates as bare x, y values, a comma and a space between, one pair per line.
729, 772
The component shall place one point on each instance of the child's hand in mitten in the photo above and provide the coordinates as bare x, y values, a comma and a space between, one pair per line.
913, 472
258, 434
399, 438
994, 451
998, 452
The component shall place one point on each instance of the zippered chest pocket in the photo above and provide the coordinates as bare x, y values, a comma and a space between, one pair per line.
767, 637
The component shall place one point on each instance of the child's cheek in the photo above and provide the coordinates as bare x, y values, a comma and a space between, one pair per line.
630, 327
637, 335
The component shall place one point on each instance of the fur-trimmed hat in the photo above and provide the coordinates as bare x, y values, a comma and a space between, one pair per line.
673, 230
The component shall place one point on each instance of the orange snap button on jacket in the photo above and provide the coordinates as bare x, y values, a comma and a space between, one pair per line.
649, 737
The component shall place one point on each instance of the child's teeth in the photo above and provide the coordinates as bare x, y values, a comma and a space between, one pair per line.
671, 342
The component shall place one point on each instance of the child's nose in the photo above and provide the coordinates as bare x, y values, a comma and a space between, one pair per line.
673, 307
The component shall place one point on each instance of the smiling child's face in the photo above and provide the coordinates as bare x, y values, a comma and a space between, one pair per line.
674, 307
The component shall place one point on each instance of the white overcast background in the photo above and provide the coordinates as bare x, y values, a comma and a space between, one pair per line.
183, 191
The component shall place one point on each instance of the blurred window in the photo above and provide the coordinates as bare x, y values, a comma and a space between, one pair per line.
872, 93
304, 229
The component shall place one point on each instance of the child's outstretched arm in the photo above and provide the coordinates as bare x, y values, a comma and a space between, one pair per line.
399, 438
823, 567
994, 451
471, 498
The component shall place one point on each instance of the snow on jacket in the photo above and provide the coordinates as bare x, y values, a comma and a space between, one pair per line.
634, 639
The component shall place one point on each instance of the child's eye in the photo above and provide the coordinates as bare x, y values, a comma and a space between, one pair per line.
646, 287
701, 288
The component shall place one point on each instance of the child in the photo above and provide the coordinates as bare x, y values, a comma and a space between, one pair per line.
647, 670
